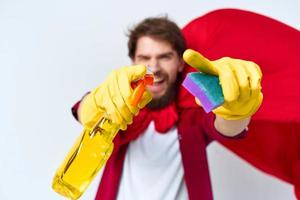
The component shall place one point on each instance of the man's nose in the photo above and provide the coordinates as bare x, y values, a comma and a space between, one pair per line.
154, 65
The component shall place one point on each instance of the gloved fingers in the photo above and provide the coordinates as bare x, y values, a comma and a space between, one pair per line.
199, 62
123, 126
118, 101
257, 69
242, 78
237, 110
257, 104
124, 86
228, 82
222, 111
241, 88
112, 111
228, 114
254, 78
253, 107
146, 98
135, 72
89, 111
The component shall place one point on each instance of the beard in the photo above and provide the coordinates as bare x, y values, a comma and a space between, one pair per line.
168, 97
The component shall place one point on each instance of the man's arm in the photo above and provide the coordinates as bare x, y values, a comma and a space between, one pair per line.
113, 98
240, 81
231, 128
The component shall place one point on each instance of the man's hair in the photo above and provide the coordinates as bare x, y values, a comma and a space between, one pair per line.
161, 28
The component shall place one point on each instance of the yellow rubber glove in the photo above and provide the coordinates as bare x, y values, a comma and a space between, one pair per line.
113, 97
240, 81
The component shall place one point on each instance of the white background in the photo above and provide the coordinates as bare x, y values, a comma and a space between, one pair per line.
52, 52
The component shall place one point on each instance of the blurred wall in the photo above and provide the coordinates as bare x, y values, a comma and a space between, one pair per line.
52, 52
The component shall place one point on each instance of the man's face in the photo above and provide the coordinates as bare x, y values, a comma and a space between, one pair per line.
165, 65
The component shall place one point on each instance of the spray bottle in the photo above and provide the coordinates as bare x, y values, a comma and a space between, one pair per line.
91, 151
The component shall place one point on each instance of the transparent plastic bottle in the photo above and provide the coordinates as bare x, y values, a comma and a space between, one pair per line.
90, 152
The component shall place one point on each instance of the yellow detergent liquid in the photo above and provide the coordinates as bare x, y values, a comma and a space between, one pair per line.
90, 152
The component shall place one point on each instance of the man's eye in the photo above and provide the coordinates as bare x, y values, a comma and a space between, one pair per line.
143, 58
166, 57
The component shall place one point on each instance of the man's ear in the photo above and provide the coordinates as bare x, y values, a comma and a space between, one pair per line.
181, 65
132, 61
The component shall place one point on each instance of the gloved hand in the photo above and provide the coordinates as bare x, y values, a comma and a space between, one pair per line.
113, 97
240, 82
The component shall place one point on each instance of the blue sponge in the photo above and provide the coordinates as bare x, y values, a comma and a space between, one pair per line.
206, 88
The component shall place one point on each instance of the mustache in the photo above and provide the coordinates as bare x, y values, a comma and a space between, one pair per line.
160, 75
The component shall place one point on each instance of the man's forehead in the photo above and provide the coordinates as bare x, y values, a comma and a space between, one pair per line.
149, 45
170, 52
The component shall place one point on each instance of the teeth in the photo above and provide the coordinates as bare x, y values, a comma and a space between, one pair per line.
156, 81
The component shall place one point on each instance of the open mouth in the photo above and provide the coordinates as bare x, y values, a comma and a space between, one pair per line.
158, 86
158, 81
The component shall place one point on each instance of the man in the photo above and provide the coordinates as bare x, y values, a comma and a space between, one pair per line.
160, 152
